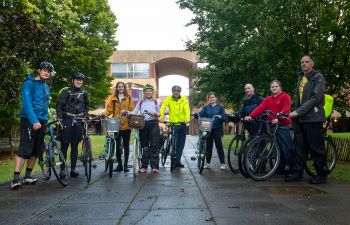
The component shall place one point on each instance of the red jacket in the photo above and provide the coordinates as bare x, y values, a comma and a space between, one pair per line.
277, 104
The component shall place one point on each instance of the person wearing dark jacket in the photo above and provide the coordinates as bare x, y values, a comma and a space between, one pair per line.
250, 102
72, 102
308, 121
34, 114
216, 112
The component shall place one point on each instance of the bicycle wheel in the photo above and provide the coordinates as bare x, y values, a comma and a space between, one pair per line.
58, 164
201, 155
233, 153
134, 158
87, 158
44, 163
241, 154
261, 158
331, 154
110, 157
165, 150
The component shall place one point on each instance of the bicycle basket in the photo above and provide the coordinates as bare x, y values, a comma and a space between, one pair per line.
136, 121
112, 125
205, 124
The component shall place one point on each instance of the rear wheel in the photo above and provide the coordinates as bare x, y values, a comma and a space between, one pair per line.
261, 158
87, 158
233, 153
58, 164
331, 154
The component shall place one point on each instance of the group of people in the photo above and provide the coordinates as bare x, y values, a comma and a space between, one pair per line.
308, 118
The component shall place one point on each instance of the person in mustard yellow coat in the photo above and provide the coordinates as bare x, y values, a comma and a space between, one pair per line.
120, 102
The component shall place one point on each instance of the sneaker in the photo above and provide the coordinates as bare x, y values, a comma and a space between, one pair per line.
180, 165
206, 166
293, 177
143, 170
15, 185
154, 170
74, 173
319, 179
118, 168
223, 166
29, 180
62, 174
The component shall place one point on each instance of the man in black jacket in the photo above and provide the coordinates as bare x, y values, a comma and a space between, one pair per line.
309, 117
250, 102
72, 102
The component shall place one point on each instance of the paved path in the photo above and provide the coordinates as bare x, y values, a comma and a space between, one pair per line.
183, 197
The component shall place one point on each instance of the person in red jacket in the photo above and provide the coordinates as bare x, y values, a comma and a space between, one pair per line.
278, 102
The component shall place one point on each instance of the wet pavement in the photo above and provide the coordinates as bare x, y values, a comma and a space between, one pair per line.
183, 197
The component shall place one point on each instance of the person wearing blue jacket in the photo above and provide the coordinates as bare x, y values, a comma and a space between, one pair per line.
217, 112
34, 114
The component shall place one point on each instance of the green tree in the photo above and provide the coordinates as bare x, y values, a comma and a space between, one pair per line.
258, 41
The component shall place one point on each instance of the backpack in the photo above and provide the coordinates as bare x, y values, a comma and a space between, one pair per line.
155, 102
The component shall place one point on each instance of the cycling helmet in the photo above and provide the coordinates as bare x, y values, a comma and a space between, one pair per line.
148, 87
176, 88
46, 65
78, 76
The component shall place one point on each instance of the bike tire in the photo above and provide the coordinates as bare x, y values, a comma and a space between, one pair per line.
44, 163
233, 153
241, 155
165, 150
58, 163
331, 153
262, 158
134, 158
202, 155
87, 158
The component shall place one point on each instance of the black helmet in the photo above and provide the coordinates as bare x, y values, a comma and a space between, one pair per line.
176, 88
148, 87
78, 76
46, 65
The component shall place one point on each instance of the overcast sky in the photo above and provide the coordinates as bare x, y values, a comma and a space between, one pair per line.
151, 24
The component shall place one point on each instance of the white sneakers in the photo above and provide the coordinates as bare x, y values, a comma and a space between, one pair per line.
223, 167
206, 166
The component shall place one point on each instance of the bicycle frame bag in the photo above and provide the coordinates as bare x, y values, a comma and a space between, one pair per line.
136, 121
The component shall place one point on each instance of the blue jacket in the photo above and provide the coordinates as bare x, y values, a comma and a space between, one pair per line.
209, 112
35, 100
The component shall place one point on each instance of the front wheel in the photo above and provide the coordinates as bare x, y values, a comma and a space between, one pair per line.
261, 158
233, 153
201, 155
44, 163
331, 161
87, 158
58, 164
134, 158
165, 149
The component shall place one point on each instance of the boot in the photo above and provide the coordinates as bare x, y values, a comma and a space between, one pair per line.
118, 168
126, 169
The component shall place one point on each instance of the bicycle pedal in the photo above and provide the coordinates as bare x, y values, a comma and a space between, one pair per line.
193, 158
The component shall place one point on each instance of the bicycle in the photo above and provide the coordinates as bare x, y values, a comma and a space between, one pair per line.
205, 126
331, 153
170, 148
238, 144
86, 154
52, 157
112, 129
263, 154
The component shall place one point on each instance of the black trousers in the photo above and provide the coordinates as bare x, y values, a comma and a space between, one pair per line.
150, 140
125, 134
215, 135
308, 138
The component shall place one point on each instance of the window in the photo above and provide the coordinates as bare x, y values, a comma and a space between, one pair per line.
131, 70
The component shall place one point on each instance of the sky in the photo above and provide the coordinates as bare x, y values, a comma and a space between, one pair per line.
154, 25
151, 24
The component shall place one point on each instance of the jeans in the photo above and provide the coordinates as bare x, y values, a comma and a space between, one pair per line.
180, 139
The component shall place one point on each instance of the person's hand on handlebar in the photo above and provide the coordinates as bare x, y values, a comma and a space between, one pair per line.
247, 118
293, 114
